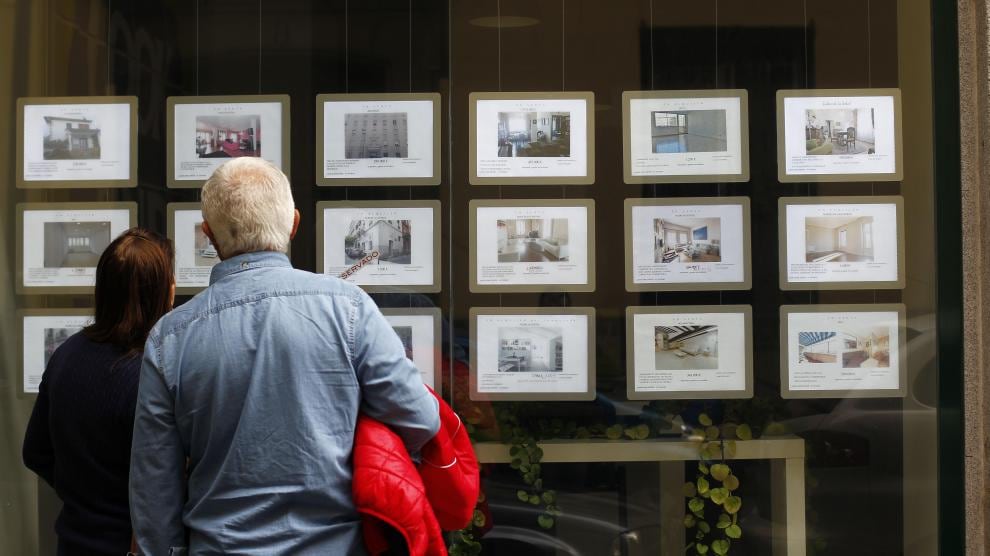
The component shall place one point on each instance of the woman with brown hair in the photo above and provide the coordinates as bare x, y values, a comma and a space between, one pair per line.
79, 437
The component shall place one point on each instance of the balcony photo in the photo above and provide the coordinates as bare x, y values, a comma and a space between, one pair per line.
688, 131
532, 240
839, 131
686, 348
534, 134
228, 136
384, 240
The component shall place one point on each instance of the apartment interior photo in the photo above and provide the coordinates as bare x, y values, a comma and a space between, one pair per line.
839, 131
838, 239
534, 349
75, 244
852, 347
545, 134
688, 131
532, 240
686, 240
686, 347
228, 136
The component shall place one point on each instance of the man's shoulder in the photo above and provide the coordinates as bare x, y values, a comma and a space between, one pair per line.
286, 282
295, 282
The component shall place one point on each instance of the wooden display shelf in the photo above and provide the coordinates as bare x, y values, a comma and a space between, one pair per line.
785, 453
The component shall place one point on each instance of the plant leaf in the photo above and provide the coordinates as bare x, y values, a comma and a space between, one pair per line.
701, 548
733, 531
705, 420
720, 471
549, 497
732, 504
689, 490
522, 495
719, 495
744, 432
478, 519
702, 485
534, 499
689, 521
703, 468
730, 449
614, 432
704, 527
731, 482
720, 547
545, 521
696, 505
712, 433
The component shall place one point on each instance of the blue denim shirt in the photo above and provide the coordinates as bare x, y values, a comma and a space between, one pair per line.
258, 381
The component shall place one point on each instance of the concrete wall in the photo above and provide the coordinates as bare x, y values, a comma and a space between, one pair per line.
974, 72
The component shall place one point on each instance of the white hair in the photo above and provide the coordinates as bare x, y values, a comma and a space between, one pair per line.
248, 205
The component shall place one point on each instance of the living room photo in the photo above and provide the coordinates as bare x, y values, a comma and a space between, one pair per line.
532, 240
831, 239
686, 240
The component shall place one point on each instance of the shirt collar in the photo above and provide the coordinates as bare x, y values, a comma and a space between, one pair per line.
246, 261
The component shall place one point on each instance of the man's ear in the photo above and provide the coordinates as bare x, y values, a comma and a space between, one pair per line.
295, 224
213, 240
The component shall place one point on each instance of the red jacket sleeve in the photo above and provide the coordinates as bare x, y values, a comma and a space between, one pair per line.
449, 469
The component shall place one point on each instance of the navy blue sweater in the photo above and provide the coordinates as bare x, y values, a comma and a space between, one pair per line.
79, 442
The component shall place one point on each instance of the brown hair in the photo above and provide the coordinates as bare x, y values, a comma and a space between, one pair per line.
133, 289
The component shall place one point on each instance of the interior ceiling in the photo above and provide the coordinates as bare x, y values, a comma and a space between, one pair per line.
233, 123
675, 333
829, 221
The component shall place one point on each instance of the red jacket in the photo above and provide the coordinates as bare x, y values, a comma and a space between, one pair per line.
418, 501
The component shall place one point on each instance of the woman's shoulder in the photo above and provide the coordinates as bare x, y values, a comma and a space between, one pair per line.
81, 350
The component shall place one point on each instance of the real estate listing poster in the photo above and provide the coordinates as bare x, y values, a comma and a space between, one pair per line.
842, 351
381, 246
697, 243
195, 255
841, 243
685, 136
532, 245
379, 139
535, 354
59, 244
532, 138
419, 331
205, 132
839, 135
701, 352
42, 332
77, 142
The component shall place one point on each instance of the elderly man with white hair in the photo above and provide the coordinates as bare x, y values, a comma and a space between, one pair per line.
250, 392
